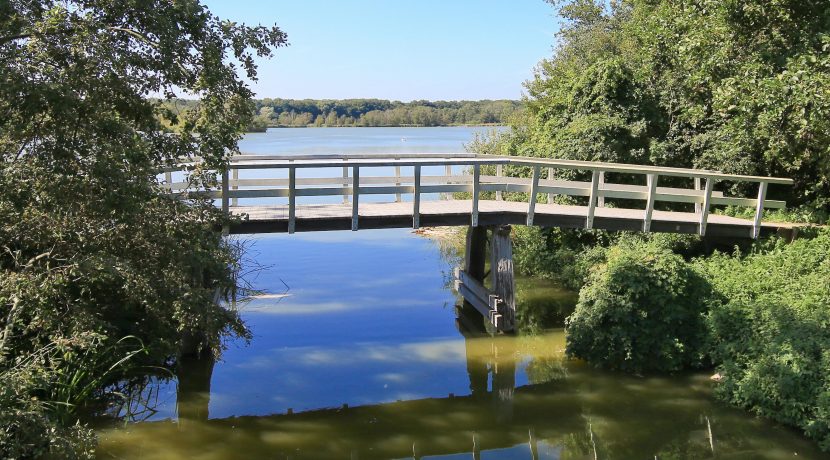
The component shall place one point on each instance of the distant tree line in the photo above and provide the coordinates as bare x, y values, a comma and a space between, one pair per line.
379, 112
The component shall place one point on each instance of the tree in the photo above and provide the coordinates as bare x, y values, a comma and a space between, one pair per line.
91, 250
734, 86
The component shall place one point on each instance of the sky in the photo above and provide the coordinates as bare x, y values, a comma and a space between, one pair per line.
398, 49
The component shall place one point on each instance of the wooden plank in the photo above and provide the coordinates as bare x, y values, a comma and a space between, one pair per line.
759, 210
652, 188
476, 188
706, 206
355, 195
416, 199
501, 269
292, 200
592, 200
534, 189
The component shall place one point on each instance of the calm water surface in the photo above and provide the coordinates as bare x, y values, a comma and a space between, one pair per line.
359, 351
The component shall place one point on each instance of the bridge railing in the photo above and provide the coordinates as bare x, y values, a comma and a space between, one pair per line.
463, 173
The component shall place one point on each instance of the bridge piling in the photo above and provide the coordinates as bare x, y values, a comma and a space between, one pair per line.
501, 271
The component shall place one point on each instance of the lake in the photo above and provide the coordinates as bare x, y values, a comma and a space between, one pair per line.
359, 351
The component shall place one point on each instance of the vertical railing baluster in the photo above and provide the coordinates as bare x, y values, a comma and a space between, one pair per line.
448, 174
345, 183
697, 187
550, 178
707, 202
416, 199
499, 173
355, 195
534, 189
235, 201
476, 187
292, 199
651, 181
225, 192
397, 181
592, 200
601, 197
759, 210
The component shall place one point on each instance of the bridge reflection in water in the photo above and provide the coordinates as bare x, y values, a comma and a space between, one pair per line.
566, 410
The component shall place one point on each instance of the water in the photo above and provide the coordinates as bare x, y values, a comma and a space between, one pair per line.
358, 352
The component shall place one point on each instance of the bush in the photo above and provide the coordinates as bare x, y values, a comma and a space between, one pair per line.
770, 332
643, 310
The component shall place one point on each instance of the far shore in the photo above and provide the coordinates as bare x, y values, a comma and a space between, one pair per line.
483, 125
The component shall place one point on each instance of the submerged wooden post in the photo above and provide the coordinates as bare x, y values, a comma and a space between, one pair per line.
476, 252
501, 271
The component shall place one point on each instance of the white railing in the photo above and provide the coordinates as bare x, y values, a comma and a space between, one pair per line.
470, 180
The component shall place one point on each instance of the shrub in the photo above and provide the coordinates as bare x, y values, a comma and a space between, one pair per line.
770, 332
643, 310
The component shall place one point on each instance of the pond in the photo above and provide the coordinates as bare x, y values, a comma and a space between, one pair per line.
359, 350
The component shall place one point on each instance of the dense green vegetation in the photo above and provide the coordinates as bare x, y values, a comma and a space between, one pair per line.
627, 296
102, 277
301, 113
736, 86
760, 318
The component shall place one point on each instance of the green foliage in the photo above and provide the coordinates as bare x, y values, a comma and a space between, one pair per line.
734, 86
641, 311
769, 332
26, 428
377, 112
90, 251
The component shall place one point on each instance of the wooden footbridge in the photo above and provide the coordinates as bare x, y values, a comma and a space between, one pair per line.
351, 192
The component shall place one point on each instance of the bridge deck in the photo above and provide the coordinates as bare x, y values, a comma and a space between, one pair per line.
319, 217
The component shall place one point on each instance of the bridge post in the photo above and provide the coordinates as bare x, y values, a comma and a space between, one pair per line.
475, 255
501, 271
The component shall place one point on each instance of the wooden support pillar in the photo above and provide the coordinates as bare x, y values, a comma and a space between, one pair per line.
501, 270
476, 253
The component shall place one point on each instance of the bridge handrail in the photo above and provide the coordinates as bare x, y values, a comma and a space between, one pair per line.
597, 190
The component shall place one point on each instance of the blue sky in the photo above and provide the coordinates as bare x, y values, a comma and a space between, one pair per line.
396, 49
